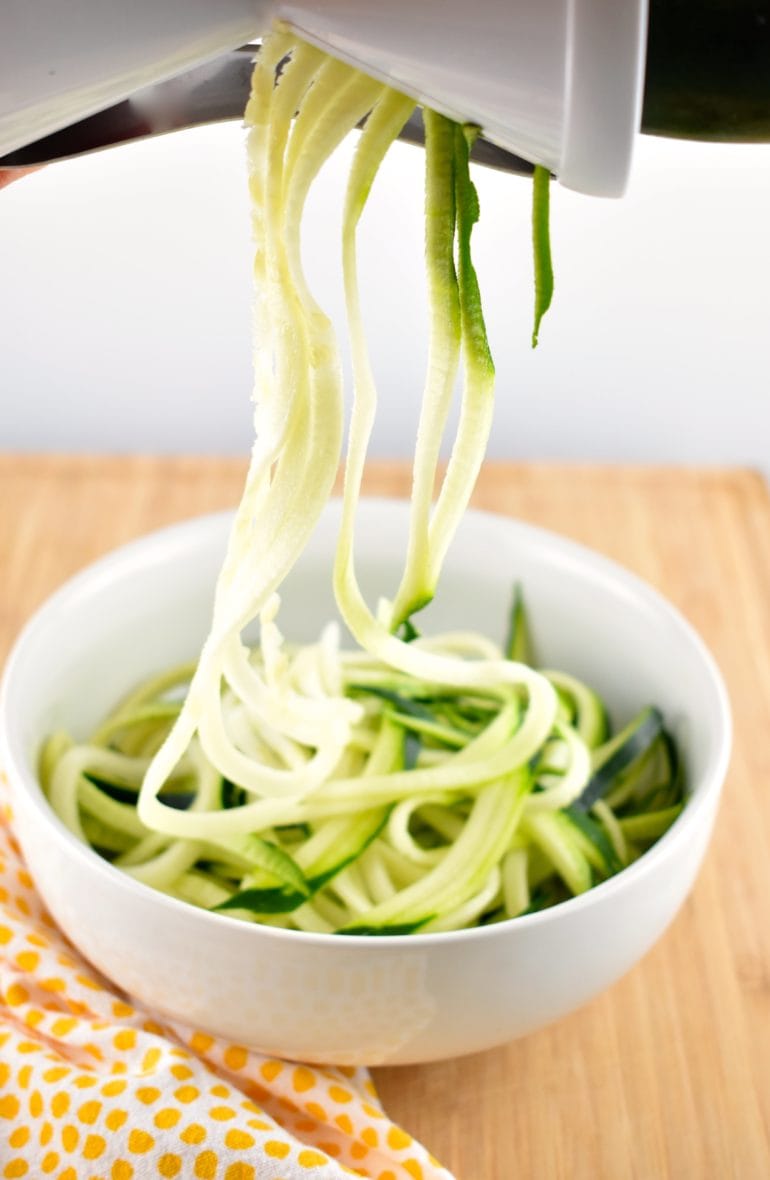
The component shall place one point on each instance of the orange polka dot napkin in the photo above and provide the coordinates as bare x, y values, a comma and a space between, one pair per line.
92, 1088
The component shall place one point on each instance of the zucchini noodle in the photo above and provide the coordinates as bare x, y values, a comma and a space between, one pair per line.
417, 783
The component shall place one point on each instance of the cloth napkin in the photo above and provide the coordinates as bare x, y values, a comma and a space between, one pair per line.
94, 1088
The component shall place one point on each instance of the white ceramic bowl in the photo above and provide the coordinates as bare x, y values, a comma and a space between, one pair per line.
345, 999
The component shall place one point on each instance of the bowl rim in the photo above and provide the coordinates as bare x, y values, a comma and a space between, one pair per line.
185, 534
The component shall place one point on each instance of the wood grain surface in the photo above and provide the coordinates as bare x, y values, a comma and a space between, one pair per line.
667, 1075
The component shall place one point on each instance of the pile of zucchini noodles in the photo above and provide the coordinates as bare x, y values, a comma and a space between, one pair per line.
415, 783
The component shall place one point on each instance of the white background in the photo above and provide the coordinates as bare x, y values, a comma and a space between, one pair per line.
125, 304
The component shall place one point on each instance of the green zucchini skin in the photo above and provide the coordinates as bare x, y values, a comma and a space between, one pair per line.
617, 756
352, 843
518, 643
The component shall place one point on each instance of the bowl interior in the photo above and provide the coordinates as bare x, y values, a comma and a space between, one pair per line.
147, 606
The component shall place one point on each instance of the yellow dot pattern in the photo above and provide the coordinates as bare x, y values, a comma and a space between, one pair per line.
92, 1088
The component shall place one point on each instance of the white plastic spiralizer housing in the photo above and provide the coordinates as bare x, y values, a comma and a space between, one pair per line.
557, 82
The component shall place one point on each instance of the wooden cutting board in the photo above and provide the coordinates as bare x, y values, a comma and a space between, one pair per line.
667, 1075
